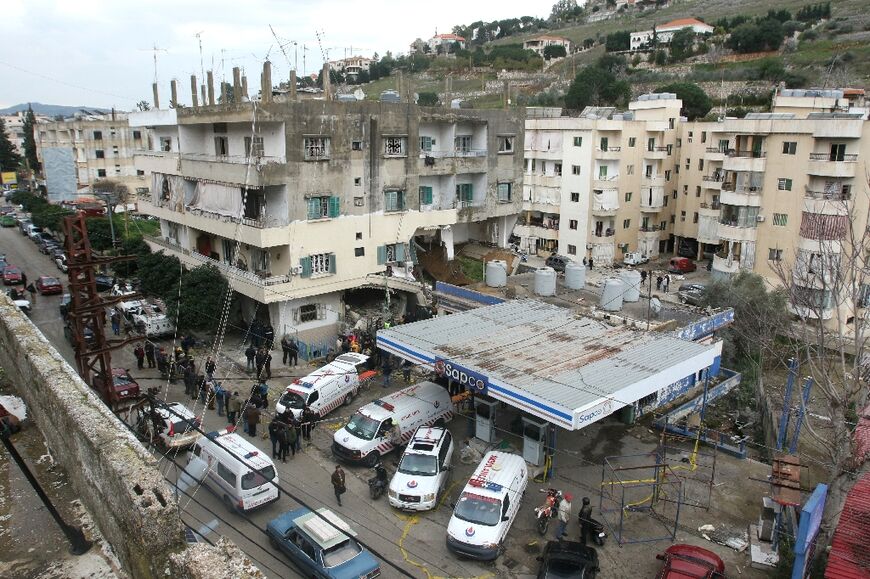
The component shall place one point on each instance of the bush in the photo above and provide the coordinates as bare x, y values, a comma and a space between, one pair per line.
427, 99
554, 51
809, 35
696, 103
618, 41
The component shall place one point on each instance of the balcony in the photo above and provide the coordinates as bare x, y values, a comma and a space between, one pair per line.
713, 182
652, 199
653, 181
606, 237
537, 231
827, 165
747, 161
714, 154
450, 163
747, 197
649, 233
710, 209
725, 265
838, 128
732, 232
834, 202
537, 180
463, 153
608, 182
251, 171
608, 153
808, 313
655, 153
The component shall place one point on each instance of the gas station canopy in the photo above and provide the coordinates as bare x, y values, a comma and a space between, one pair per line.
547, 361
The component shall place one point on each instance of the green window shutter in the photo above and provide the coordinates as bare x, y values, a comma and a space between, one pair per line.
314, 208
382, 254
331, 263
400, 252
413, 251
305, 262
334, 206
425, 195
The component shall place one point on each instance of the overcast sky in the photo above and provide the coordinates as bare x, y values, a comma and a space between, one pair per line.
99, 52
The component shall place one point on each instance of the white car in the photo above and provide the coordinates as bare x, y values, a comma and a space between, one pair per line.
22, 303
122, 289
423, 471
173, 426
634, 258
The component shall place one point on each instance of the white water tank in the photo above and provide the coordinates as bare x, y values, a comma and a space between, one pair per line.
545, 281
575, 275
631, 279
611, 295
496, 273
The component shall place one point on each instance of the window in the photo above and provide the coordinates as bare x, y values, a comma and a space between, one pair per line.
780, 219
690, 136
557, 169
426, 144
117, 169
228, 251
100, 154
464, 194
323, 207
395, 146
700, 164
575, 169
673, 219
226, 474
675, 194
572, 224
221, 146
671, 123
685, 189
697, 190
783, 184
667, 174
578, 141
602, 172
679, 143
425, 195
506, 144
663, 225
316, 148
393, 253
723, 145
504, 192
775, 254
101, 172
628, 196
318, 264
695, 217
137, 135
359, 234
665, 199
688, 163
603, 145
572, 249
115, 150
462, 144
359, 251
682, 216
703, 136
140, 172
632, 141
356, 146
308, 313
357, 181
394, 200
98, 135
648, 171
165, 143
789, 148
651, 144
359, 202
629, 169
575, 198
254, 147
838, 152
626, 223
219, 127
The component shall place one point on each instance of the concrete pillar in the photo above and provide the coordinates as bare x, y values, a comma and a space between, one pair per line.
173, 91
210, 86
244, 89
223, 92
266, 89
507, 94
327, 85
447, 91
237, 85
399, 86
202, 96
156, 95
292, 85
194, 97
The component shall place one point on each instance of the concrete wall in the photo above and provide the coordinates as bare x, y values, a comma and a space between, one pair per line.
116, 478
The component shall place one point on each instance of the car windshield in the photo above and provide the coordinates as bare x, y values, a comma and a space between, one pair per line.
362, 426
341, 553
50, 281
256, 478
122, 380
11, 271
183, 425
292, 400
419, 464
478, 509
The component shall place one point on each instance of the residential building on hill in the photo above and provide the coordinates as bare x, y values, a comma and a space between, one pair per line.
539, 43
317, 199
352, 66
662, 35
15, 128
442, 42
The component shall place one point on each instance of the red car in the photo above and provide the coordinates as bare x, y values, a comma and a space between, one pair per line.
12, 275
124, 387
690, 562
47, 285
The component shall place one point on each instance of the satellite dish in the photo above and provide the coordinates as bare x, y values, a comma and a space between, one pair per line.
655, 304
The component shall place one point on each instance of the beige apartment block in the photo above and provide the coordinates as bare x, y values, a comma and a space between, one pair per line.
779, 191
602, 184
299, 203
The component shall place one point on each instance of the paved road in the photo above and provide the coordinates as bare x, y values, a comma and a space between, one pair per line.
415, 543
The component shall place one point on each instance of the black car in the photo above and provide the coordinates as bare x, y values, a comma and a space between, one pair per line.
90, 339
568, 559
104, 282
65, 302
692, 293
558, 262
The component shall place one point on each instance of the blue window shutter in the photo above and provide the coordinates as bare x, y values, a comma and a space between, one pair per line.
314, 208
331, 263
400, 252
305, 262
413, 251
334, 206
382, 254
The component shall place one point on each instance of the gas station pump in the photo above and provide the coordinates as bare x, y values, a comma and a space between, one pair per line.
484, 424
534, 440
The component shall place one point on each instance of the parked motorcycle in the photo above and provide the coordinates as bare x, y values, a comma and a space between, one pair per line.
549, 510
378, 484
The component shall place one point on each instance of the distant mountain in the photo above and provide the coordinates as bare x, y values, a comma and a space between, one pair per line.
50, 110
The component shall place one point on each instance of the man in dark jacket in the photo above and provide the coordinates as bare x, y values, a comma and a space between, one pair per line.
260, 360
250, 354
269, 336
252, 415
210, 367
149, 353
274, 435
585, 517
338, 483
139, 352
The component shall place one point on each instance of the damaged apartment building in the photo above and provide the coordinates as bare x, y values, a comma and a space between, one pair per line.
300, 201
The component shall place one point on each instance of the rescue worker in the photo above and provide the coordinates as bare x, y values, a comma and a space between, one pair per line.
585, 520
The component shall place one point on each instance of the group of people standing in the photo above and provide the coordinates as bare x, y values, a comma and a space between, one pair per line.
286, 432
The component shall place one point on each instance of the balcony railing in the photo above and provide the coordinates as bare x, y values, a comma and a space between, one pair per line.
833, 195
713, 178
748, 153
716, 150
651, 228
235, 159
751, 190
609, 150
258, 223
850, 158
713, 206
607, 233
658, 149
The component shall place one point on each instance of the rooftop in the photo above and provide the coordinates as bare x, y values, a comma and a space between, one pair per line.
849, 557
683, 22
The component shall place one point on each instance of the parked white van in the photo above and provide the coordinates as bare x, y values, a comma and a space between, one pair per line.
487, 507
423, 471
241, 484
325, 389
365, 437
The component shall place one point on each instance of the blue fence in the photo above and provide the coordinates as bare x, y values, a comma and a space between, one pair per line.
315, 349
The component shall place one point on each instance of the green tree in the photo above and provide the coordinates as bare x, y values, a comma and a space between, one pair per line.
682, 44
554, 51
696, 103
100, 233
660, 57
30, 140
133, 245
28, 200
200, 298
50, 216
772, 32
9, 157
158, 274
588, 43
428, 99
596, 86
618, 41
746, 38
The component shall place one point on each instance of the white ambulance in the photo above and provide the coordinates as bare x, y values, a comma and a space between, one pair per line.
325, 389
239, 473
423, 471
365, 437
487, 507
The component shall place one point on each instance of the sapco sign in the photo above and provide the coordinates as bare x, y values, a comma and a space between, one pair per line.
477, 383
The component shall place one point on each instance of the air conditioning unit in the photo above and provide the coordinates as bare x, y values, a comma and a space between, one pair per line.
296, 270
759, 218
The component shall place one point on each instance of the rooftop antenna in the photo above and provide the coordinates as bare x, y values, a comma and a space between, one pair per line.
281, 46
201, 62
155, 49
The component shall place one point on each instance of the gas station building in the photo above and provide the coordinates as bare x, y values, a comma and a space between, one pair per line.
558, 367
